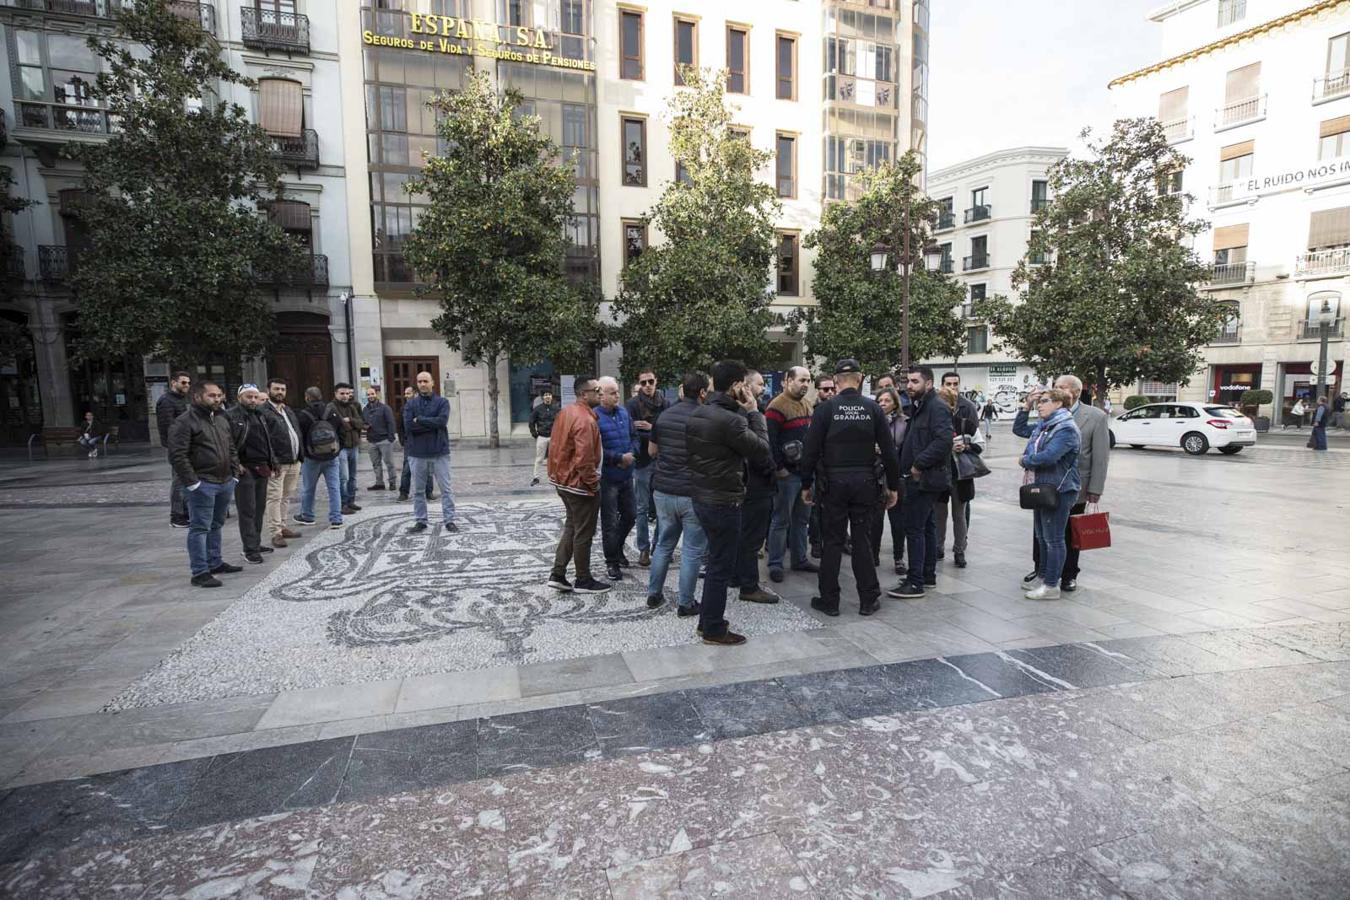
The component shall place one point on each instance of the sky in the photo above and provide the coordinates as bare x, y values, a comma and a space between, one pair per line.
1016, 72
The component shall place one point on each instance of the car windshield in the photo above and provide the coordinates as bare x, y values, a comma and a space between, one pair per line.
1226, 411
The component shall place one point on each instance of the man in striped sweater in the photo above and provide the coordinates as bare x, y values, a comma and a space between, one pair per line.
788, 417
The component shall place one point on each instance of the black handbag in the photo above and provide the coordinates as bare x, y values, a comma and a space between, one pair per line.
1038, 496
969, 465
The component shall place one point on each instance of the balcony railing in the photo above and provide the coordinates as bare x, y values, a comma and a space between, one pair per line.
58, 117
1231, 11
53, 264
1249, 110
14, 264
1312, 331
1229, 334
301, 152
946, 219
1178, 130
971, 263
1233, 273
978, 213
1323, 262
102, 9
204, 14
267, 29
1333, 84
1223, 194
945, 266
313, 272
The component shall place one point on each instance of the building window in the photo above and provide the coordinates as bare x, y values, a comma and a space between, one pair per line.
514, 12
682, 173
1329, 229
946, 213
573, 19
1170, 183
1158, 391
55, 68
1036, 257
686, 47
1230, 250
1334, 138
979, 253
787, 67
785, 165
630, 61
738, 60
739, 132
979, 197
977, 339
1040, 196
634, 151
1235, 162
1338, 66
1231, 11
787, 265
1241, 95
634, 240
281, 107
945, 263
1173, 115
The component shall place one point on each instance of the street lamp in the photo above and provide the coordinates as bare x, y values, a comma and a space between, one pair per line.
1323, 309
906, 260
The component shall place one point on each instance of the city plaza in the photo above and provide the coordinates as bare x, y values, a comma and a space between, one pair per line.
379, 714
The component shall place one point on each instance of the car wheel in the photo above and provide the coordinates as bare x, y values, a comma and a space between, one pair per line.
1113, 440
1195, 443
1229, 451
1137, 446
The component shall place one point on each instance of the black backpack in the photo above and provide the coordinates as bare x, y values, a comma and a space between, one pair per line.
322, 444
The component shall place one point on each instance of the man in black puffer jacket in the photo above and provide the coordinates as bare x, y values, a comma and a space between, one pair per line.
673, 495
720, 444
206, 463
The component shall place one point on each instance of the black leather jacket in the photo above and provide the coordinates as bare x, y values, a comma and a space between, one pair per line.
252, 443
721, 443
200, 447
280, 437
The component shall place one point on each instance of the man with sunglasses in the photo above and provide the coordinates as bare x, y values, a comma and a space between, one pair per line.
170, 405
644, 409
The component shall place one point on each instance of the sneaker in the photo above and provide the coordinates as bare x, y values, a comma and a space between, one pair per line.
375, 487
279, 541
255, 558
417, 527
354, 507
759, 595
624, 563
776, 576
290, 535
560, 583
1043, 592
869, 606
645, 559
402, 498
265, 550
206, 579
179, 523
693, 609
301, 520
590, 586
805, 566
348, 510
451, 528
225, 569
906, 591
1031, 577
725, 639
334, 526
534, 482
613, 573
959, 559
820, 605
655, 600
1068, 585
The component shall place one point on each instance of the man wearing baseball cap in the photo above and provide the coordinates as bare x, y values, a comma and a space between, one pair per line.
848, 436
248, 431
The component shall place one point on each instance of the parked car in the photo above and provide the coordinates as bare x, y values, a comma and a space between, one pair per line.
1194, 427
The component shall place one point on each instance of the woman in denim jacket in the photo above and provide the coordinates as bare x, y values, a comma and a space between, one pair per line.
1051, 457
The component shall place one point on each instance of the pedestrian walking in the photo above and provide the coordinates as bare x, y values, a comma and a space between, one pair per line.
257, 462
954, 504
848, 437
206, 464
1051, 458
381, 432
405, 479
320, 438
541, 427
720, 443
1320, 417
925, 460
896, 422
673, 495
288, 447
644, 409
349, 435
1094, 455
761, 484
788, 419
170, 405
574, 460
425, 419
89, 435
1297, 413
618, 507
987, 415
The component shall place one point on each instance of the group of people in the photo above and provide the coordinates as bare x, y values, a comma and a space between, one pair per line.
1325, 414
728, 476
260, 452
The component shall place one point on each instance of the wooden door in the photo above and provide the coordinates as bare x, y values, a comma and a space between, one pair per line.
401, 372
303, 355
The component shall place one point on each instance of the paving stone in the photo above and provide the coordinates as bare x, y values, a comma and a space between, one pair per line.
931, 683
737, 710
522, 741
841, 695
1000, 675
638, 724
1079, 665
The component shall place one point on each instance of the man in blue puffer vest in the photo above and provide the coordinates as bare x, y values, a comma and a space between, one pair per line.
425, 418
618, 508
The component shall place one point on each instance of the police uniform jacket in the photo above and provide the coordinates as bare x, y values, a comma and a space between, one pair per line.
847, 432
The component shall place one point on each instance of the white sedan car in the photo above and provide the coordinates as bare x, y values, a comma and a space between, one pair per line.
1194, 427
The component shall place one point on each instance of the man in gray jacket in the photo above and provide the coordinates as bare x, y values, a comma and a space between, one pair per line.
1093, 455
380, 433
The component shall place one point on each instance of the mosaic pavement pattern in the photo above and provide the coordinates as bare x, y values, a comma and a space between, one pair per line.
373, 602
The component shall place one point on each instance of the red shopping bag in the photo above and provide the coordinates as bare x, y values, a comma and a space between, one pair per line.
1091, 530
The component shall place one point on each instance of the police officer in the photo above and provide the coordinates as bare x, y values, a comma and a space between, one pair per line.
848, 435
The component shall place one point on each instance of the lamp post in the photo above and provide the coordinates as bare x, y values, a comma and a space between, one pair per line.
1326, 312
906, 260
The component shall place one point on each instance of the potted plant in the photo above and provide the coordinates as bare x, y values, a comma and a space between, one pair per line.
1251, 402
1134, 401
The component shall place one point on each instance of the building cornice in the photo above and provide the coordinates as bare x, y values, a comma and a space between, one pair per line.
998, 158
1231, 40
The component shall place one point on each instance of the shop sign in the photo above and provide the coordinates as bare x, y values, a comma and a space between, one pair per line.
476, 37
1002, 370
1292, 178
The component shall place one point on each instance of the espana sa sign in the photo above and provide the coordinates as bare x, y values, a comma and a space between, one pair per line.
477, 37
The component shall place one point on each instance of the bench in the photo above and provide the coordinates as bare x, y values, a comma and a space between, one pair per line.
60, 434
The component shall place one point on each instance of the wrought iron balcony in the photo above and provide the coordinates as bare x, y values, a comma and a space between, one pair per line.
946, 219
1233, 273
1178, 130
978, 213
1248, 110
267, 29
53, 263
1322, 262
14, 264
971, 263
312, 272
1312, 331
945, 266
301, 152
1228, 334
1334, 84
58, 117
102, 9
204, 14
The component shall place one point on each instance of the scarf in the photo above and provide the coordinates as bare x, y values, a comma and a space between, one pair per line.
650, 406
1048, 425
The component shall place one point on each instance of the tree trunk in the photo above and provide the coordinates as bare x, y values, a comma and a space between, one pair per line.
494, 439
1100, 398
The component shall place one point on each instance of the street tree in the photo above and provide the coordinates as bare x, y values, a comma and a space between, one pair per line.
703, 291
491, 245
858, 311
16, 341
173, 240
1117, 298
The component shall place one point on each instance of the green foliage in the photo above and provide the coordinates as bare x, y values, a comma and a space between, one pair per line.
1256, 397
8, 278
491, 244
703, 293
859, 311
16, 344
1134, 401
174, 236
1119, 300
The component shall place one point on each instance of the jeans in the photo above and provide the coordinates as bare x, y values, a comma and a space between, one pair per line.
643, 507
310, 472
960, 516
405, 481
1070, 568
206, 508
540, 457
675, 515
177, 502
280, 490
382, 451
616, 517
347, 474
250, 496
422, 469
1050, 526
755, 514
578, 532
920, 534
896, 515
847, 507
722, 525
791, 519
